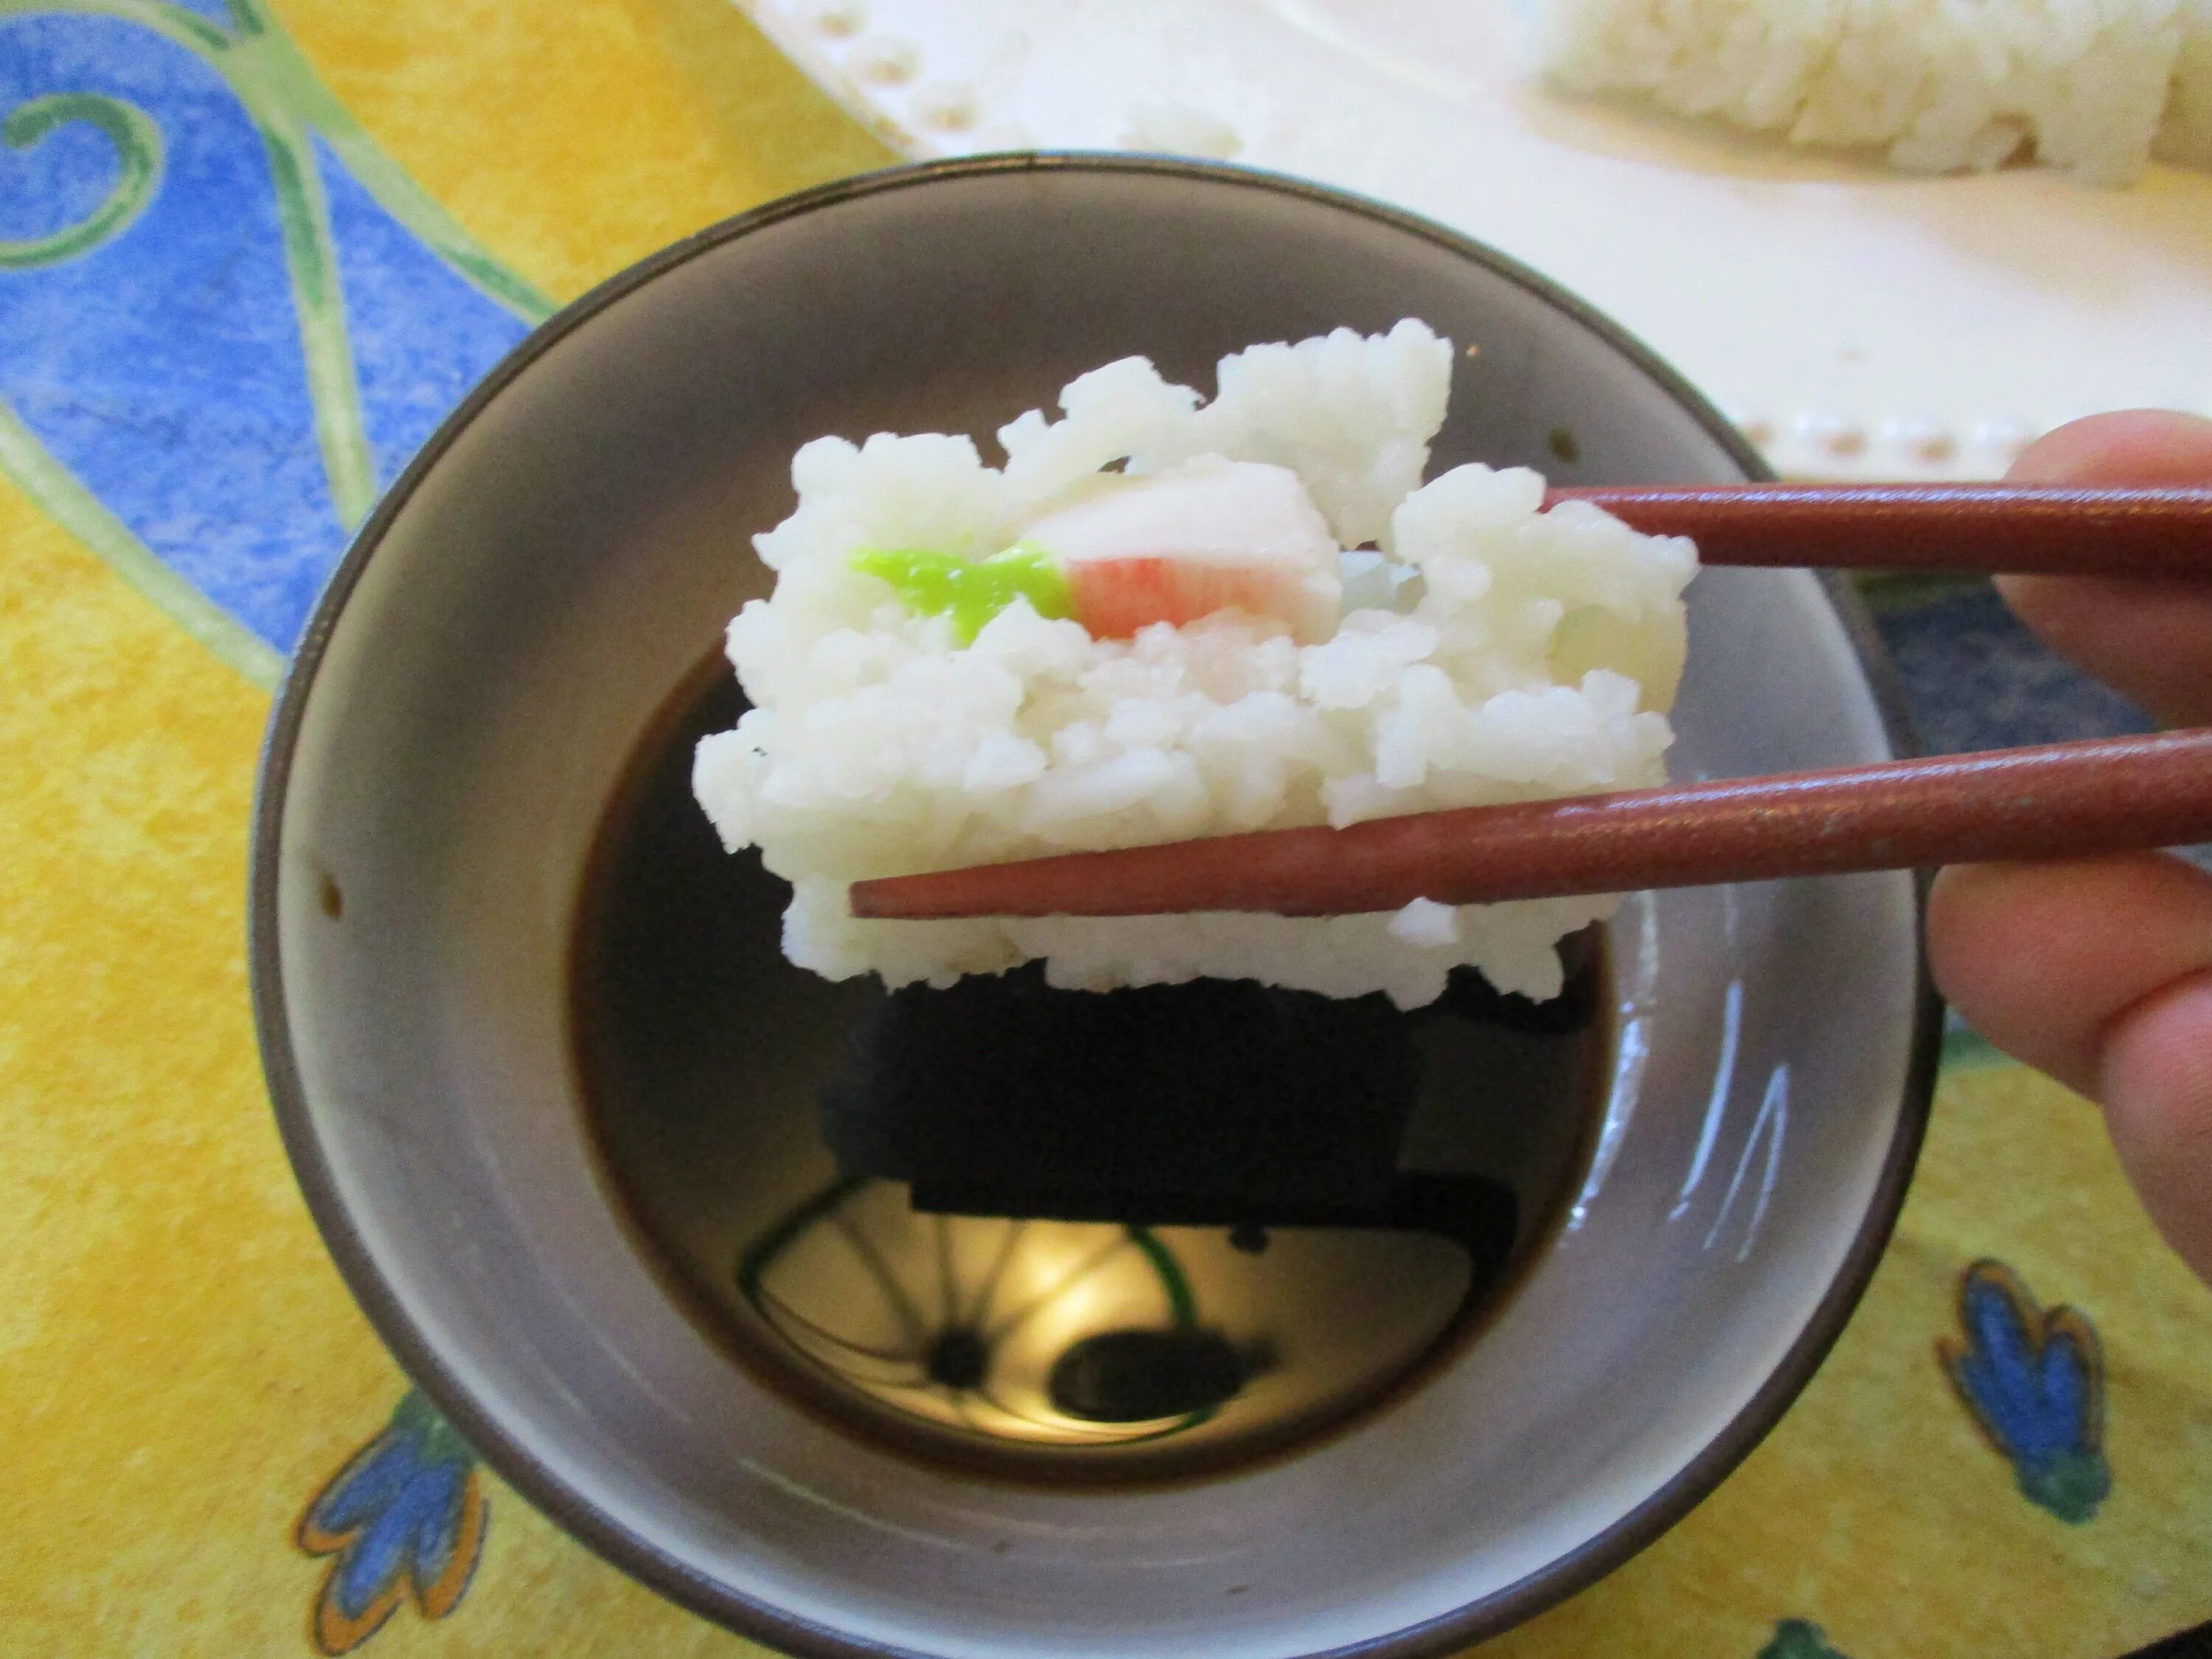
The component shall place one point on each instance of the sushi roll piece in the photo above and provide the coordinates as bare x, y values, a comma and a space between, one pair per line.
2094, 87
1167, 617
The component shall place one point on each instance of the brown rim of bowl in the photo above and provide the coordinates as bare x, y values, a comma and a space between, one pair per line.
636, 1555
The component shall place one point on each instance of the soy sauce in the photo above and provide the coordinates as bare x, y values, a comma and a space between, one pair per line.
1055, 1235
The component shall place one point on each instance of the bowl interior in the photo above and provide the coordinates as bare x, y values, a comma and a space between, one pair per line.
570, 548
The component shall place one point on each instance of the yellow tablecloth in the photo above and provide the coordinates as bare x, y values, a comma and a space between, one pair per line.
203, 1448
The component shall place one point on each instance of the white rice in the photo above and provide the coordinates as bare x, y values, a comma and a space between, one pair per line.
1537, 660
2091, 86
2184, 136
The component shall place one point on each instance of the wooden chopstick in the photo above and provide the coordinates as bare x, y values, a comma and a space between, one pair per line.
2013, 529
2053, 800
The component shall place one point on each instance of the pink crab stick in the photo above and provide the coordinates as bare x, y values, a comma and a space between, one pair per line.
1175, 546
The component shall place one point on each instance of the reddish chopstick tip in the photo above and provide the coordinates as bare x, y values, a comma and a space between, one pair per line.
943, 896
879, 900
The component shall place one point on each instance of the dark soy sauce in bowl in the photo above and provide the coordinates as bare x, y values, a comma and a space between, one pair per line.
1055, 1234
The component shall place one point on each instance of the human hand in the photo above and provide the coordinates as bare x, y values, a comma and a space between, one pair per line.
2099, 971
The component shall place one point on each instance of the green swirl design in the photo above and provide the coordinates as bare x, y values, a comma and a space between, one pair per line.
289, 107
137, 145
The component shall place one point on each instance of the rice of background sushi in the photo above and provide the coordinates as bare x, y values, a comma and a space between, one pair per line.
2091, 86
2184, 137
1537, 661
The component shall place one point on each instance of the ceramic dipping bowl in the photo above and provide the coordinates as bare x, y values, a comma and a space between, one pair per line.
586, 1198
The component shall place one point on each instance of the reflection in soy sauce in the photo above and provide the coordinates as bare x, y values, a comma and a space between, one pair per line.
1053, 1232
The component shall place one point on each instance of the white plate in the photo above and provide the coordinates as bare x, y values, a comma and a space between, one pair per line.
1856, 322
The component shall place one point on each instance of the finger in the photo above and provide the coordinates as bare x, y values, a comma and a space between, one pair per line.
2099, 972
2156, 1083
2039, 958
2133, 447
2150, 639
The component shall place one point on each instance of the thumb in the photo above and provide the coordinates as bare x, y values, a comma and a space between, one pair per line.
2099, 972
2155, 1078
